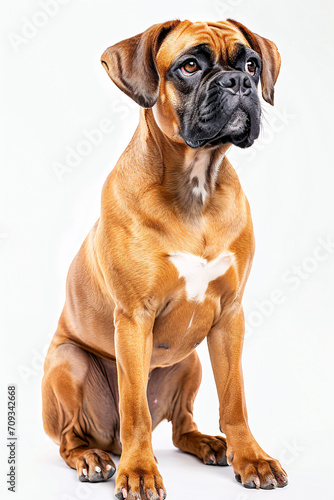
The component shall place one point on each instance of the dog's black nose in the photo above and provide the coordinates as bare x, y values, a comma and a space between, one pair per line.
236, 82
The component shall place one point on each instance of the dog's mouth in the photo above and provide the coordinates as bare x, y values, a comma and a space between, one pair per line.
237, 130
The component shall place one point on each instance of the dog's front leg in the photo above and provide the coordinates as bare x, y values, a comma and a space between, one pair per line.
137, 474
251, 465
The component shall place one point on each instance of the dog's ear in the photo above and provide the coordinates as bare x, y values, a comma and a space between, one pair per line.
131, 64
271, 59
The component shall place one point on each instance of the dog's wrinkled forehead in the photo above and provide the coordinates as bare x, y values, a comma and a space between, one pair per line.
222, 38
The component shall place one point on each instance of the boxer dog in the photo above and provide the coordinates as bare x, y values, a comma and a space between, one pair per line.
165, 266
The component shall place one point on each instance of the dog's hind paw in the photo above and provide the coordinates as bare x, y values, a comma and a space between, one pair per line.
94, 466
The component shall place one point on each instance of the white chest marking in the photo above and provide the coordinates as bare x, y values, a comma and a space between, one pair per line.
199, 170
198, 273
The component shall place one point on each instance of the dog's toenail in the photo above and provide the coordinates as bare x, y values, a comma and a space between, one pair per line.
257, 482
124, 492
284, 481
108, 467
84, 471
98, 469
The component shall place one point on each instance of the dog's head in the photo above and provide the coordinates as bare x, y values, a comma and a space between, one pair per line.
200, 78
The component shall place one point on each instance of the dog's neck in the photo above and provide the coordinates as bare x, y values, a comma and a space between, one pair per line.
188, 176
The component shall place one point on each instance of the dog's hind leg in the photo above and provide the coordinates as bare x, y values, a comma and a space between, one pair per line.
80, 410
171, 394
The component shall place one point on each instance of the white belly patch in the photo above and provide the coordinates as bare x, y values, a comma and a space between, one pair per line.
198, 272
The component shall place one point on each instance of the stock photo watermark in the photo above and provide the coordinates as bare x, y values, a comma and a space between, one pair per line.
90, 140
34, 368
291, 451
224, 8
81, 492
31, 26
277, 121
74, 155
292, 278
11, 437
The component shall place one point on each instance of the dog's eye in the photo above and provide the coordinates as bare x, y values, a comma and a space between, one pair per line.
251, 66
190, 67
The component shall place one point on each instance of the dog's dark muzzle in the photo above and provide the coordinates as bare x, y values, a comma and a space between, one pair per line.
227, 110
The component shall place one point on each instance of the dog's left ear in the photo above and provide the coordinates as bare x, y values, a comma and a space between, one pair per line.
131, 64
271, 59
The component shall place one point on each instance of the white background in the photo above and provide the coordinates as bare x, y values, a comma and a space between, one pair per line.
53, 90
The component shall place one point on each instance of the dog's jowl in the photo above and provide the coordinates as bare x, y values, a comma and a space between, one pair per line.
165, 266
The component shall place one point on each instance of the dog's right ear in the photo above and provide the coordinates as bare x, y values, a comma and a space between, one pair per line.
131, 64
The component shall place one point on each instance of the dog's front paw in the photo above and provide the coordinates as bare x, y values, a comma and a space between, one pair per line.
139, 479
255, 469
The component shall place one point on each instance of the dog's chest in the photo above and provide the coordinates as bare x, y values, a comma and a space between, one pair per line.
189, 312
198, 272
